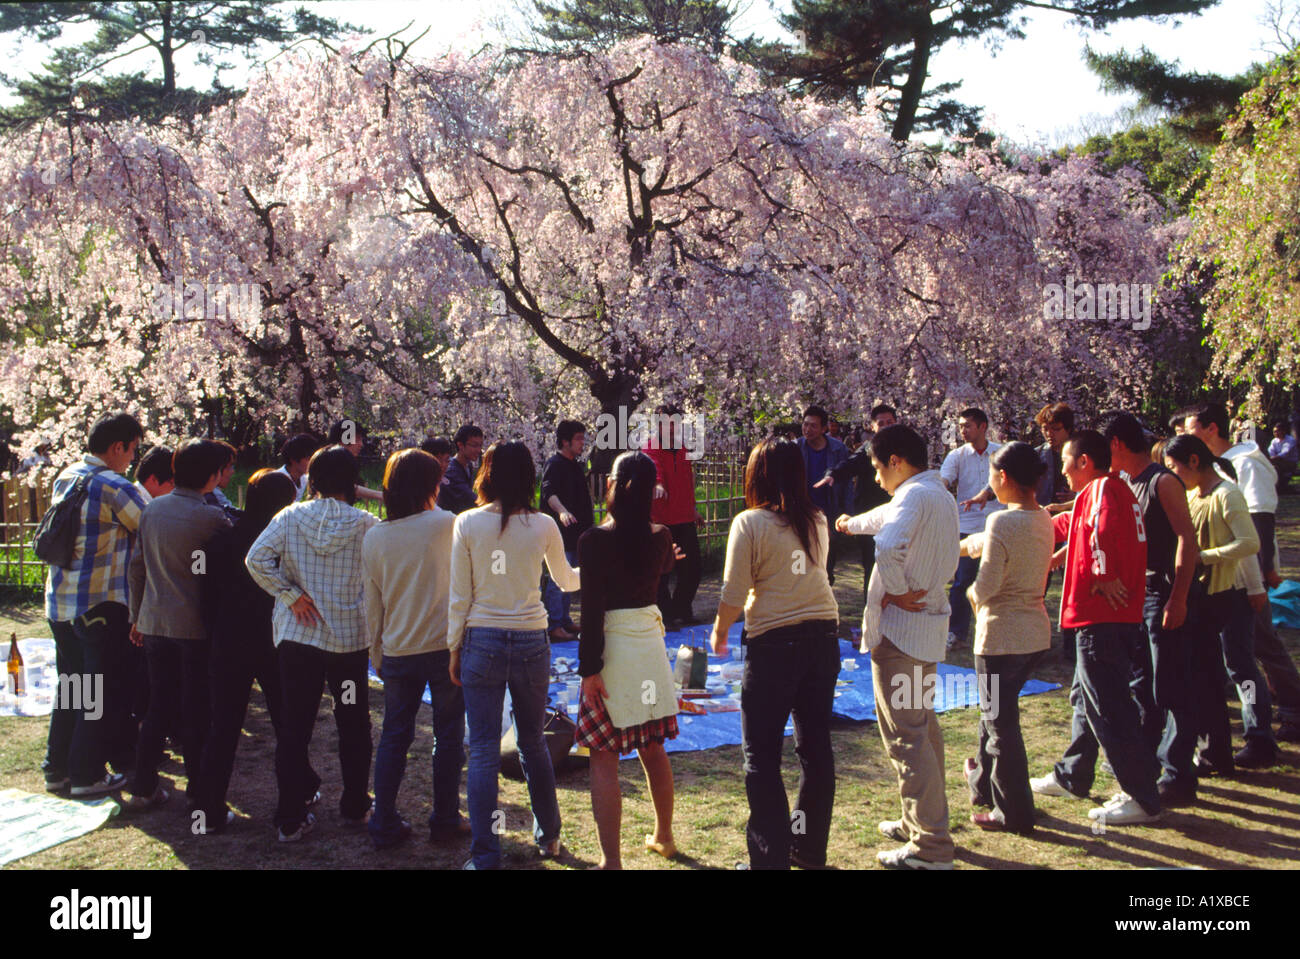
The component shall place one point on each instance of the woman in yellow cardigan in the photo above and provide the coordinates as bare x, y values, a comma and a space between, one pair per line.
1220, 618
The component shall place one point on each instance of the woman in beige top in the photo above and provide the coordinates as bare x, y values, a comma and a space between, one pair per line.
1011, 633
776, 575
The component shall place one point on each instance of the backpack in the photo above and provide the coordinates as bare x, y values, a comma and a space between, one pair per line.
55, 541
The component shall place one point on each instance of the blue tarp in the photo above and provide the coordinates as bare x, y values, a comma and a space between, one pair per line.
854, 699
955, 688
1285, 602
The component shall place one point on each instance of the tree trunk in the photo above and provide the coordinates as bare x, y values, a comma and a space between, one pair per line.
910, 98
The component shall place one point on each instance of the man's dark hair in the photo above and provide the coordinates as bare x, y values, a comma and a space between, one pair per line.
333, 472
467, 433
880, 408
1056, 413
301, 446
113, 428
1284, 427
903, 442
974, 413
1216, 414
818, 412
438, 446
567, 430
670, 409
1093, 445
1176, 421
156, 463
1125, 427
336, 432
196, 461
232, 454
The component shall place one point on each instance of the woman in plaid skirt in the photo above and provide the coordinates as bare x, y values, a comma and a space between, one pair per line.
628, 698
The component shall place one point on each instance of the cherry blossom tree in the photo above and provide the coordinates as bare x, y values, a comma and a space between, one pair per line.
473, 238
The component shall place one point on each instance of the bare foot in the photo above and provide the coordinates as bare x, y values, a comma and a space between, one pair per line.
666, 848
605, 865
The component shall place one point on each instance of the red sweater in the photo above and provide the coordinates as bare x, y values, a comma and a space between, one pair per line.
677, 477
1105, 540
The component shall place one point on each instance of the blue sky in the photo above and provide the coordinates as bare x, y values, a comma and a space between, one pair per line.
1035, 91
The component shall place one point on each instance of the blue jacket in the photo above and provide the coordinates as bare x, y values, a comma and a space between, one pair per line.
841, 493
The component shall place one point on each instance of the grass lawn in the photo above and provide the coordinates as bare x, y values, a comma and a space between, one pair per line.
1249, 821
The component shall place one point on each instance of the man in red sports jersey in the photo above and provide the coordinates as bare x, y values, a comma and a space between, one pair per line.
1105, 557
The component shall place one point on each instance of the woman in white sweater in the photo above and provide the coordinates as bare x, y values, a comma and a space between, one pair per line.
496, 630
407, 560
1011, 632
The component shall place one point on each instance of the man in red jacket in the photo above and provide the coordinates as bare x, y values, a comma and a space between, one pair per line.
1105, 557
674, 507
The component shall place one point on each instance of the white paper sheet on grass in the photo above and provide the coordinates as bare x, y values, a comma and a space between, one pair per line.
30, 823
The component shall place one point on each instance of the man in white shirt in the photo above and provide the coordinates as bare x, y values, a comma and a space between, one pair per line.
1283, 454
965, 471
904, 626
153, 477
297, 454
1258, 481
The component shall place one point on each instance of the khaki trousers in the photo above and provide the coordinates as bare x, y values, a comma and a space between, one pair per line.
914, 742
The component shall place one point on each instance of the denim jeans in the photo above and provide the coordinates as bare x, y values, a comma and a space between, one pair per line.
1002, 768
492, 661
959, 621
1105, 715
304, 671
78, 744
1228, 616
1161, 688
783, 677
558, 603
405, 678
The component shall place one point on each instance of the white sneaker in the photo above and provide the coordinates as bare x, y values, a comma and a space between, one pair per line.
1126, 813
1049, 785
893, 829
905, 857
1119, 799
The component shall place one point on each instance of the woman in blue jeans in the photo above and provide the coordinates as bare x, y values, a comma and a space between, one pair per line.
776, 575
407, 560
496, 631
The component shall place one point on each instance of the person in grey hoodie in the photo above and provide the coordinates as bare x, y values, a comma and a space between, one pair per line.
309, 559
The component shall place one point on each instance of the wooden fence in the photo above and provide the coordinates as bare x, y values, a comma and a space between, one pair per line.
21, 509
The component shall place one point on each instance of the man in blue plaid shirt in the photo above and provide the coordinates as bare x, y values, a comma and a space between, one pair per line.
86, 604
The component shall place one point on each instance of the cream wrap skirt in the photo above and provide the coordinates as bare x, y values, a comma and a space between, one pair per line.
636, 674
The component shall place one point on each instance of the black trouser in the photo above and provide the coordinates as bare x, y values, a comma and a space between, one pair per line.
236, 662
676, 604
783, 677
84, 658
1001, 778
178, 684
304, 670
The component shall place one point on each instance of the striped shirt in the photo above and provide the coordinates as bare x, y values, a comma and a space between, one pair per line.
917, 547
110, 516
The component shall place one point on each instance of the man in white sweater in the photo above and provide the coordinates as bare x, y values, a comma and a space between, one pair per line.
905, 627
